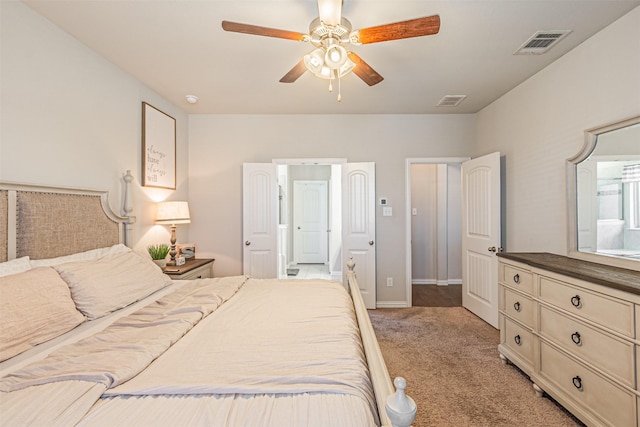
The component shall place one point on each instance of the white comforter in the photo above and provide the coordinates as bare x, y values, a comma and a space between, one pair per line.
264, 358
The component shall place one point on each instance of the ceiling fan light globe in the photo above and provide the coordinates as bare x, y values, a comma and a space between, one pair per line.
325, 73
335, 57
314, 61
347, 67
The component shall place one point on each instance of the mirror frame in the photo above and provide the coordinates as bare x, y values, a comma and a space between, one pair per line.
591, 138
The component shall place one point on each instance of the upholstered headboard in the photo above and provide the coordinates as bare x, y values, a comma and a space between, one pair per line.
45, 222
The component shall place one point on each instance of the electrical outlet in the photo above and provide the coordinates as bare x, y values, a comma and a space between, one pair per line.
389, 281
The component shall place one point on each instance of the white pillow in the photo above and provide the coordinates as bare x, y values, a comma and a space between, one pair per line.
114, 281
15, 266
80, 256
35, 306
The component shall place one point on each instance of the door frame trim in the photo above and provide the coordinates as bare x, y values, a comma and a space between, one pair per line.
310, 161
408, 162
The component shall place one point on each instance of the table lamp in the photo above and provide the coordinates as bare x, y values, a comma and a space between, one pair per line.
173, 213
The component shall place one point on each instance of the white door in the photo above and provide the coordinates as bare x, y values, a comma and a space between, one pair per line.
260, 219
481, 236
359, 225
310, 221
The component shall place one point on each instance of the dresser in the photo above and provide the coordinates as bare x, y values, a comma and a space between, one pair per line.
574, 328
201, 268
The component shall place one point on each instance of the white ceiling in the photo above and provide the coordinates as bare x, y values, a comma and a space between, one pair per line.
178, 47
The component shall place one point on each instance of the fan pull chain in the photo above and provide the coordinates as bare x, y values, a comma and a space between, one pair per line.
339, 88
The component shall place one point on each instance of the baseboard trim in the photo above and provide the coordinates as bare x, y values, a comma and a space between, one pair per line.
423, 282
391, 304
429, 282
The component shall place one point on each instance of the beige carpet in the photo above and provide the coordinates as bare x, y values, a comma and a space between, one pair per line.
450, 360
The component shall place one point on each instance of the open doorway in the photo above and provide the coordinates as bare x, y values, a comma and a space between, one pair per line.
353, 224
310, 226
434, 251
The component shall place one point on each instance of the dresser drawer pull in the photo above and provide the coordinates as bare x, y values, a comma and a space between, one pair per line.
517, 339
575, 301
577, 382
575, 337
516, 306
516, 279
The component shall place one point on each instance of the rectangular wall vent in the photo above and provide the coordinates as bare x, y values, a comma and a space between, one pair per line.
541, 42
451, 100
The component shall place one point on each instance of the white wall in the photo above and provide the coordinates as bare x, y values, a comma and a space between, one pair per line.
72, 118
218, 145
541, 123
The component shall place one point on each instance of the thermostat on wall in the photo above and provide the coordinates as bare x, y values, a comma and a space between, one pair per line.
383, 201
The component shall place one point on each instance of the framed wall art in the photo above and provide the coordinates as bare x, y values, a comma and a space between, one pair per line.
158, 148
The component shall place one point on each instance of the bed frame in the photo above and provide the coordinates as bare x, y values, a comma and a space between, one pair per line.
45, 222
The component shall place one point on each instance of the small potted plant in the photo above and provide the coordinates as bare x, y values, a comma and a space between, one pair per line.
159, 254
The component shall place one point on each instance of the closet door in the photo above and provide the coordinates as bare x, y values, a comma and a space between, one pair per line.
310, 222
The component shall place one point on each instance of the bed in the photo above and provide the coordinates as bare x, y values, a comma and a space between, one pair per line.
94, 333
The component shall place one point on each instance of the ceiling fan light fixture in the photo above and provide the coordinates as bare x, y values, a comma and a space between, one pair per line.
335, 57
314, 61
346, 68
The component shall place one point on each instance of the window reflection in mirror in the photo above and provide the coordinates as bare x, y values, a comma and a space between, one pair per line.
608, 195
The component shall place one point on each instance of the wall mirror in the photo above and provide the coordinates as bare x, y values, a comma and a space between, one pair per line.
604, 196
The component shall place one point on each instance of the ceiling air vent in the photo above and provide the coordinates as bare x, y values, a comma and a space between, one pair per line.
451, 100
541, 42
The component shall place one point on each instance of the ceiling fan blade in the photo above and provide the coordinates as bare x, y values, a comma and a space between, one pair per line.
364, 70
262, 31
294, 73
425, 26
330, 11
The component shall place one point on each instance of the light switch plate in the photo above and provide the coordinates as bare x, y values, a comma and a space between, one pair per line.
387, 211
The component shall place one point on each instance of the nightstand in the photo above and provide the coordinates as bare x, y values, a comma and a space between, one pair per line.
192, 269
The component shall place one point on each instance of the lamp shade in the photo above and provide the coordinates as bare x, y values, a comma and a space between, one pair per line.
173, 213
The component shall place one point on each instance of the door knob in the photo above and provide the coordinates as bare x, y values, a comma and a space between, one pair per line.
370, 242
298, 228
492, 249
247, 243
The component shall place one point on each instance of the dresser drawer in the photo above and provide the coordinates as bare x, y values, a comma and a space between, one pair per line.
204, 272
610, 312
517, 278
611, 354
518, 339
518, 306
604, 399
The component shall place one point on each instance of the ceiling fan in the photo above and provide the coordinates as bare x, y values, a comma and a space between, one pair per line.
330, 34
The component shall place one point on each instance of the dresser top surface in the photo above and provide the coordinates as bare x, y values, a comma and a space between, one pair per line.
613, 277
